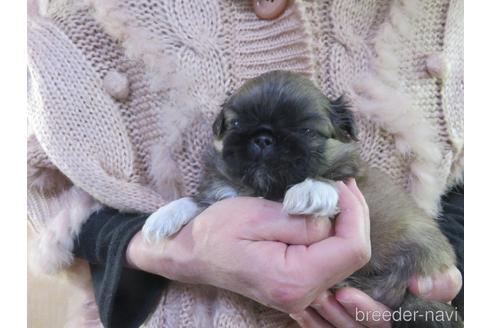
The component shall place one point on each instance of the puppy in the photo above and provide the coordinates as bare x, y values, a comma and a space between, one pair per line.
280, 138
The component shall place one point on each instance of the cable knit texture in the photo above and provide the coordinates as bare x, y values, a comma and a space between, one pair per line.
122, 95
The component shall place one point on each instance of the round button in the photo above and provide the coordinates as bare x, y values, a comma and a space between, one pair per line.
269, 9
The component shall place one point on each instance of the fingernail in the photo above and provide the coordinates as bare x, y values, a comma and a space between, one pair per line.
325, 294
456, 276
425, 285
322, 298
351, 182
343, 300
297, 317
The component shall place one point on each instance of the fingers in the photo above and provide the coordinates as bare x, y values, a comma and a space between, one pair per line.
310, 319
358, 310
363, 309
268, 222
349, 307
301, 230
442, 287
349, 249
296, 230
333, 312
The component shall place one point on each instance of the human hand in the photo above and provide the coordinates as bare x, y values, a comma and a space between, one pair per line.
249, 246
347, 307
344, 307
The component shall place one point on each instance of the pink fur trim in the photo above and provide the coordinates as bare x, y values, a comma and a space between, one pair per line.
51, 248
164, 75
379, 96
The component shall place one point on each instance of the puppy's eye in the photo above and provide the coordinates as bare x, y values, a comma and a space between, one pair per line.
306, 131
234, 124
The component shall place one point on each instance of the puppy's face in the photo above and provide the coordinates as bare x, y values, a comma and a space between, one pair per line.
278, 129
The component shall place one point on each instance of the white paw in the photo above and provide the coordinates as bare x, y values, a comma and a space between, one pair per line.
169, 219
311, 197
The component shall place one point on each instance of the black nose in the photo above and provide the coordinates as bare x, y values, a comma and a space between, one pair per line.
262, 143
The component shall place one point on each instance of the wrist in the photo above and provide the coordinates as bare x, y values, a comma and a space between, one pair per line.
164, 258
145, 256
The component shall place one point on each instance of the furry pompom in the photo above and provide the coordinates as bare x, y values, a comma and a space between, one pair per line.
116, 84
437, 66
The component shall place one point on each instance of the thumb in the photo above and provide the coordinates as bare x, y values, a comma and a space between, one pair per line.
443, 286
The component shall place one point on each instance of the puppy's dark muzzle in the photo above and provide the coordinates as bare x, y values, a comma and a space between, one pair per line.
261, 145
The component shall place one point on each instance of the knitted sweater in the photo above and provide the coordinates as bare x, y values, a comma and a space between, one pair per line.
122, 93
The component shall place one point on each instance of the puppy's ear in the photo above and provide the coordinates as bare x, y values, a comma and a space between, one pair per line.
219, 124
343, 120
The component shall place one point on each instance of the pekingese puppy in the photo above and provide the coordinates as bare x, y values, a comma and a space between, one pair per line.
280, 138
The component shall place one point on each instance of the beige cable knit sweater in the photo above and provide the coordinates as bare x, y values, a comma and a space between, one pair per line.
122, 94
